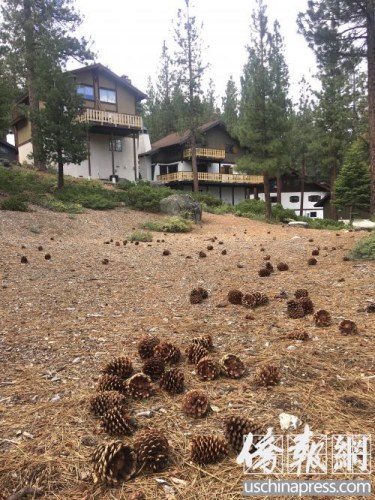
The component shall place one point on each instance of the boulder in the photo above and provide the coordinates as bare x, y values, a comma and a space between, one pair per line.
298, 223
183, 205
363, 224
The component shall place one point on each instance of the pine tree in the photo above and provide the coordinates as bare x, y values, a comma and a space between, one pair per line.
7, 94
352, 188
230, 106
32, 32
346, 28
210, 111
190, 70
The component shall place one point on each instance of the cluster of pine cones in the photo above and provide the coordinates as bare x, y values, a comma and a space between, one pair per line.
250, 300
301, 305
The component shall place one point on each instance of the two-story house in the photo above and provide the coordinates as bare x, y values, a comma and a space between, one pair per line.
110, 103
169, 162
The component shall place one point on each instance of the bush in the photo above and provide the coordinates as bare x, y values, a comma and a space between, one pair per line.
124, 185
140, 236
169, 225
322, 223
61, 206
364, 249
89, 194
225, 208
15, 204
247, 208
143, 196
208, 199
281, 214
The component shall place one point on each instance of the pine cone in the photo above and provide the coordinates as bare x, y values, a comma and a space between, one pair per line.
269, 266
154, 368
195, 404
111, 383
267, 375
122, 367
263, 300
113, 462
104, 401
307, 305
298, 336
152, 449
232, 366
348, 327
249, 300
235, 297
315, 252
370, 307
173, 381
146, 347
207, 449
322, 318
168, 352
195, 352
236, 428
295, 309
205, 341
263, 273
282, 266
208, 369
312, 261
118, 422
139, 386
202, 254
196, 296
301, 292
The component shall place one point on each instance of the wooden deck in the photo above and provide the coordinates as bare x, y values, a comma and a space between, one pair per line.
98, 117
217, 154
210, 177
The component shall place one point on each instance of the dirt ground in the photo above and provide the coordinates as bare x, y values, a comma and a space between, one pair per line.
63, 319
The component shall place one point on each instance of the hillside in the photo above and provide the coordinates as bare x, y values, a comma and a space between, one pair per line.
64, 318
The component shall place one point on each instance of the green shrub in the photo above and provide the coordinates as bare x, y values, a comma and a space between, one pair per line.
225, 208
247, 207
124, 185
140, 236
169, 225
14, 203
143, 196
281, 214
208, 199
364, 249
323, 223
61, 206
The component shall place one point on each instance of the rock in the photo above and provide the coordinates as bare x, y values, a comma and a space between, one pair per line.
183, 205
298, 223
363, 224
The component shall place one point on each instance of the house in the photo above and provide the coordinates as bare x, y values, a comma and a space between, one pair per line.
8, 153
169, 162
110, 103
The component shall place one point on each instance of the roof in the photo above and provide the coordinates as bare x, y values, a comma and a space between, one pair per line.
323, 200
123, 81
177, 138
8, 145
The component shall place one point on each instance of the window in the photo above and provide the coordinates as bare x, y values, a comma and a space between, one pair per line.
273, 199
107, 95
86, 91
314, 197
294, 199
313, 214
115, 144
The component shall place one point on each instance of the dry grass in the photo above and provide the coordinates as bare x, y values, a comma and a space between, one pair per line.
53, 312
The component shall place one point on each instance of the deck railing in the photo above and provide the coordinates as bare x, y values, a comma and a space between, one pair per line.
212, 177
108, 118
217, 154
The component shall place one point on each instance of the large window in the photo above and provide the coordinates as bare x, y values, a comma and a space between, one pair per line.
86, 91
314, 197
107, 95
294, 199
115, 144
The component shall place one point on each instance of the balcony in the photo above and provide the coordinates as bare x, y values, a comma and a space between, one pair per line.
216, 154
98, 117
210, 177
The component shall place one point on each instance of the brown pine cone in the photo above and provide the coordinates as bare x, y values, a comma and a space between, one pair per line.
195, 352
312, 261
139, 386
152, 449
208, 369
113, 463
232, 366
267, 375
195, 404
205, 341
282, 266
104, 401
154, 368
207, 449
236, 428
111, 383
249, 300
264, 272
297, 336
173, 381
168, 352
196, 296
235, 297
307, 305
269, 267
295, 309
315, 252
118, 422
263, 300
301, 292
348, 327
146, 347
122, 367
370, 307
322, 318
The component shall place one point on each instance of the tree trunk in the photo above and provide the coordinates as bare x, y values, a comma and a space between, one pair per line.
371, 95
267, 196
194, 165
303, 173
279, 184
60, 175
333, 195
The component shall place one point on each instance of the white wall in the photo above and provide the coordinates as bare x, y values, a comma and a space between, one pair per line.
308, 206
24, 151
145, 168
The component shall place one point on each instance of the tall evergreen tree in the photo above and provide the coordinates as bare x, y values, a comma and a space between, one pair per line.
190, 71
347, 28
230, 106
210, 111
7, 94
32, 32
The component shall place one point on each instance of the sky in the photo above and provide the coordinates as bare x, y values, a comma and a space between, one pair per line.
127, 36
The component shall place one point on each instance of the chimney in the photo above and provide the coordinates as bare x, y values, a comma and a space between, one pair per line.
126, 78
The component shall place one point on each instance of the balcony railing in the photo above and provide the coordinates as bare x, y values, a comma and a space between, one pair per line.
210, 177
217, 154
108, 118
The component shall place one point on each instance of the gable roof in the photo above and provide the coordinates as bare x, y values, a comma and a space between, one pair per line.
177, 138
123, 81
8, 145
